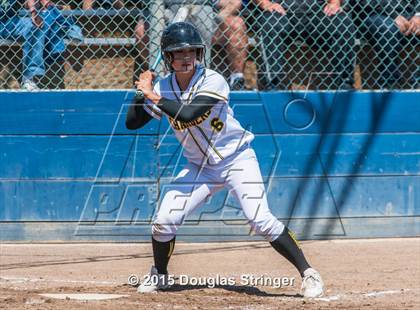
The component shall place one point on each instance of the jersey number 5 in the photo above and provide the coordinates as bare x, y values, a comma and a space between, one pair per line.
216, 124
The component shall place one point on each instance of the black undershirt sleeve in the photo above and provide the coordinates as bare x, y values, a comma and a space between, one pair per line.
137, 117
187, 112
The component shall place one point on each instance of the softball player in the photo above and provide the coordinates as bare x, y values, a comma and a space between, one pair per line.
196, 102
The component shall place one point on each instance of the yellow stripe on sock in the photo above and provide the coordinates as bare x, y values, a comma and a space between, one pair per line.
171, 248
292, 235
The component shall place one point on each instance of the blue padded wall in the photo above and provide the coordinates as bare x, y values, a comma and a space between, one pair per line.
335, 164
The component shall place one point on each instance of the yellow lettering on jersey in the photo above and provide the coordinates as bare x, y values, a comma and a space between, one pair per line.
177, 125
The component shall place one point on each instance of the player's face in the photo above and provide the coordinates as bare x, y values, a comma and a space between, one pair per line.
184, 60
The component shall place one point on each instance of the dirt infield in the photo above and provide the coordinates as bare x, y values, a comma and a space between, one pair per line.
367, 274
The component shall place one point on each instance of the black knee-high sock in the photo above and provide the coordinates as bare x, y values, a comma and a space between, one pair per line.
287, 246
162, 252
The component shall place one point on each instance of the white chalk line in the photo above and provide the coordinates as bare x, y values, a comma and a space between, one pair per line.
381, 293
84, 297
369, 294
23, 280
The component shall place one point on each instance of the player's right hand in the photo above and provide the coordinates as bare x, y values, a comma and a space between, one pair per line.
145, 83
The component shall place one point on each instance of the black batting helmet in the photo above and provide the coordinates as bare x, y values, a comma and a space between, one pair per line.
179, 36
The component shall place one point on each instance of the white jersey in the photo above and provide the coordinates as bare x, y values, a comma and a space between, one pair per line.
213, 136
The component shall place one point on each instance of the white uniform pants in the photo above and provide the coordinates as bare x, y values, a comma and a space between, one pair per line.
240, 174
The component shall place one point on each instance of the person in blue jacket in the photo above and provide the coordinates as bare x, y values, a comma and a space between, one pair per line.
42, 32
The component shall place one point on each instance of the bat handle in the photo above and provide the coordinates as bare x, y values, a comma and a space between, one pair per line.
139, 94
157, 62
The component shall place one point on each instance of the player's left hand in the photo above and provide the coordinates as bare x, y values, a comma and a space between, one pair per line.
333, 7
145, 83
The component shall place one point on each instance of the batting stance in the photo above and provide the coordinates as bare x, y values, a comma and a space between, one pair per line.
196, 102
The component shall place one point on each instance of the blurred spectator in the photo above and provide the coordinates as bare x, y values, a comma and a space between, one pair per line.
56, 28
27, 29
388, 24
323, 22
227, 28
42, 34
94, 4
105, 4
231, 34
415, 22
200, 13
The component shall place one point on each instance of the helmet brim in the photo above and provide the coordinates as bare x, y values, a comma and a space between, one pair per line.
180, 47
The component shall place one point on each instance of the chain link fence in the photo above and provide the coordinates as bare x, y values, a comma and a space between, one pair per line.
290, 44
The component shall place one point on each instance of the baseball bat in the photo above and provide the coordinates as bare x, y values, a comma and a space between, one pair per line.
181, 15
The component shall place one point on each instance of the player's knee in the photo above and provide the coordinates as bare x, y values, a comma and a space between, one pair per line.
161, 234
269, 228
164, 228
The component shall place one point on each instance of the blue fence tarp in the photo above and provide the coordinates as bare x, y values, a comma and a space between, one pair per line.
336, 165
